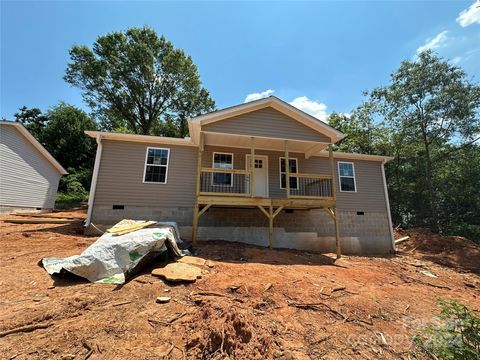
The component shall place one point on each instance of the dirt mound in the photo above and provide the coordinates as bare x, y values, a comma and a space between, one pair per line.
452, 251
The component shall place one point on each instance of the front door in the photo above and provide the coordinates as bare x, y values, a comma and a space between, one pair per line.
260, 175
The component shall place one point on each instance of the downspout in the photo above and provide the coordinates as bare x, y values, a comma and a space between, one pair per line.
93, 185
388, 206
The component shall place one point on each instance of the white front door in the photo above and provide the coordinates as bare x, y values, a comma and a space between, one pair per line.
260, 175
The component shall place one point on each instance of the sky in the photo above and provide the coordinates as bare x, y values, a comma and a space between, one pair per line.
318, 55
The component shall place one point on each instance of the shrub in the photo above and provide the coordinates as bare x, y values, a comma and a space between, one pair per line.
458, 336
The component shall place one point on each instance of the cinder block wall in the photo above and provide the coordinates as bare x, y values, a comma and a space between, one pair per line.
303, 229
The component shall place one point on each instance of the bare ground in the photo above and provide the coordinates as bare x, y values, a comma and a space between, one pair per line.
254, 303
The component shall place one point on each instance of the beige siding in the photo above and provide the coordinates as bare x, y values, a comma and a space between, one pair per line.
370, 192
27, 179
120, 178
266, 122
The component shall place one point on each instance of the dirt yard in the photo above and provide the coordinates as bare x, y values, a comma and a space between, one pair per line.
251, 303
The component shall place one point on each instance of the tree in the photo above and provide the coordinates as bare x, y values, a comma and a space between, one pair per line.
134, 79
430, 104
33, 120
64, 136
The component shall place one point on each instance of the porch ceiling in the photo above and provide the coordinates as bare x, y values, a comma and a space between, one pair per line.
263, 143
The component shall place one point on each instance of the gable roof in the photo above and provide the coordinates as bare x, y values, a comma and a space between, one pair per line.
271, 101
18, 126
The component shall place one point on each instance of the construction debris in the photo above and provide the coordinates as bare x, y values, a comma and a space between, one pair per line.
128, 226
402, 239
112, 258
178, 272
192, 260
38, 220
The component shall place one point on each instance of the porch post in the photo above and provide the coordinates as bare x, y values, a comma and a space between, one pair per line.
270, 227
287, 170
334, 194
197, 190
252, 165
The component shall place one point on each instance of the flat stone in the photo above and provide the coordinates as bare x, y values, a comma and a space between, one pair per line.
192, 260
163, 299
178, 272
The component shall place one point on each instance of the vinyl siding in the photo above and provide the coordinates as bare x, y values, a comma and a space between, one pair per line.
120, 176
27, 179
370, 195
266, 122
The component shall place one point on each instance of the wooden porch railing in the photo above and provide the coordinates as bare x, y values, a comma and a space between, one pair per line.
231, 182
310, 186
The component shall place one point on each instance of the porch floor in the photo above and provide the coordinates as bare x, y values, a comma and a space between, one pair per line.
285, 203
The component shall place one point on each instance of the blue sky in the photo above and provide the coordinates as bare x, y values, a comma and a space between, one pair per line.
318, 55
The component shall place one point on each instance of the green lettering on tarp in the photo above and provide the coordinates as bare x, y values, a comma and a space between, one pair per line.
134, 255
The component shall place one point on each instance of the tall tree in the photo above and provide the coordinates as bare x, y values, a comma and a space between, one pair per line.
430, 103
33, 120
65, 139
134, 79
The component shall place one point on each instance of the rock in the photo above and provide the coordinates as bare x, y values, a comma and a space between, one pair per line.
166, 290
178, 272
163, 299
192, 260
210, 264
267, 287
234, 288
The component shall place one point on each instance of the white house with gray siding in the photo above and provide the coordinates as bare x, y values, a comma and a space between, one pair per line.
230, 181
29, 175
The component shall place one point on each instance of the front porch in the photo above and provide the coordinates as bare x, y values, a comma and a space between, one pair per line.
235, 187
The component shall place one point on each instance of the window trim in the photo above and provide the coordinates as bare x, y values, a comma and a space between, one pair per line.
280, 172
213, 167
340, 177
145, 166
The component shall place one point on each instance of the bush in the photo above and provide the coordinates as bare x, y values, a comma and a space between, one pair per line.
458, 337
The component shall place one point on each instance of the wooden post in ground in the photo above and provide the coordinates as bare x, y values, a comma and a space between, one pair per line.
287, 170
252, 166
334, 195
270, 227
198, 188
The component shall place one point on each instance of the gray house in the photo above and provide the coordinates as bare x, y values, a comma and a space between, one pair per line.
29, 175
262, 172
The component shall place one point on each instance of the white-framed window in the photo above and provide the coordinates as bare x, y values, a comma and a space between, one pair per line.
156, 165
346, 177
222, 161
293, 169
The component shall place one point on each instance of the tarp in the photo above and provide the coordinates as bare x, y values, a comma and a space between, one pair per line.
112, 258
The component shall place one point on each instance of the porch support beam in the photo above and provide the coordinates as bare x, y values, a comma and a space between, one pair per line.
252, 165
334, 195
270, 214
197, 191
287, 170
205, 208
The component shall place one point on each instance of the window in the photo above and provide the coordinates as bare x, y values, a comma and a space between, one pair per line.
222, 161
346, 174
293, 168
156, 165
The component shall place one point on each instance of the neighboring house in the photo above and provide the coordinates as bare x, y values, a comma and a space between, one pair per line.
29, 175
229, 181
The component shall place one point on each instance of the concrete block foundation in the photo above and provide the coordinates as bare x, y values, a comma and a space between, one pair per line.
360, 233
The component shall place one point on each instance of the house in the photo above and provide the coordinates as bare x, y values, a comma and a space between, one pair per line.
29, 175
230, 181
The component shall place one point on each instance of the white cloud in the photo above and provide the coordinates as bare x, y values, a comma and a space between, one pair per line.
434, 43
470, 16
456, 60
256, 96
314, 108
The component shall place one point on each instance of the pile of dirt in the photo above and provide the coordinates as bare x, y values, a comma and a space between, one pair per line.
452, 251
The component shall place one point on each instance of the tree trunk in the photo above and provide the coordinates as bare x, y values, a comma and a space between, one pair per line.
433, 214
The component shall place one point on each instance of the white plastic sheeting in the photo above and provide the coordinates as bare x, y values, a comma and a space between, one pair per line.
112, 258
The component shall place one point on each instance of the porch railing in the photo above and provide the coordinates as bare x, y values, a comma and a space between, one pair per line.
310, 186
230, 182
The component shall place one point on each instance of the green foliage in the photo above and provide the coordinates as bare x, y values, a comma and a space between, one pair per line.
33, 120
64, 136
458, 337
135, 79
427, 118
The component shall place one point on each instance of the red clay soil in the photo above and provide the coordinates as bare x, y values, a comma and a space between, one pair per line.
254, 303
